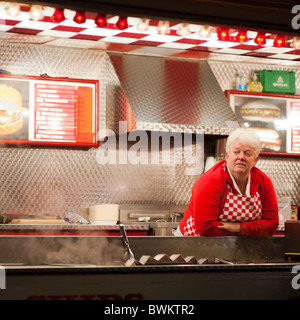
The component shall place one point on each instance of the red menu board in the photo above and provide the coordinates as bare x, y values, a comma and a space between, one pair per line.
52, 110
293, 115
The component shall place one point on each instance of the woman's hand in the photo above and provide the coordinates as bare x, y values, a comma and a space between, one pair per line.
230, 226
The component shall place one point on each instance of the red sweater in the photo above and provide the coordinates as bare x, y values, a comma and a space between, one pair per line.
209, 196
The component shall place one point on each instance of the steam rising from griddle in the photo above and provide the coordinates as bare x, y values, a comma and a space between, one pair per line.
64, 250
103, 253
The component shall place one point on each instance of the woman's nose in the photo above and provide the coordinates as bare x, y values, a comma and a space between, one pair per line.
241, 155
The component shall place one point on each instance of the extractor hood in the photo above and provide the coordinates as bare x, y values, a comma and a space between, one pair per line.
170, 95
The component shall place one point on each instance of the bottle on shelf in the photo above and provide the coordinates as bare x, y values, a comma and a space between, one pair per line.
241, 83
254, 85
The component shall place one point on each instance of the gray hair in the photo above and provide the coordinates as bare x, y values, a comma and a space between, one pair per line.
247, 136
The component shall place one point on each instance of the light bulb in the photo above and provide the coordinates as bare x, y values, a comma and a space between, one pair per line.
223, 34
241, 36
79, 17
13, 10
143, 25
59, 15
122, 23
163, 27
184, 30
100, 20
296, 43
279, 41
36, 12
260, 39
204, 32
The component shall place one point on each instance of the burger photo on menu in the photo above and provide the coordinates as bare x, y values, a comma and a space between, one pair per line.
260, 110
265, 115
13, 115
269, 139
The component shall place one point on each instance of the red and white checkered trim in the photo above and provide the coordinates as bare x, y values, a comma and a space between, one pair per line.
88, 35
241, 208
189, 228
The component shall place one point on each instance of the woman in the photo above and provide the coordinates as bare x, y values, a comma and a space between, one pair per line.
233, 197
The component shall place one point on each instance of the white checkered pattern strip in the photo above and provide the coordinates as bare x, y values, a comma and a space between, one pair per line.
89, 36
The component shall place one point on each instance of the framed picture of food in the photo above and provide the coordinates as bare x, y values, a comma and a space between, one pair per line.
274, 117
14, 109
48, 111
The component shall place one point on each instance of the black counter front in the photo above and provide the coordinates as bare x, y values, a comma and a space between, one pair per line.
82, 282
88, 268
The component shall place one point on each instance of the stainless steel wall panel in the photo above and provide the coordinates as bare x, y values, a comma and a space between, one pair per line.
169, 91
285, 175
284, 171
53, 180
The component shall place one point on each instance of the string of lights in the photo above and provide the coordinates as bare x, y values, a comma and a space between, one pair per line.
37, 13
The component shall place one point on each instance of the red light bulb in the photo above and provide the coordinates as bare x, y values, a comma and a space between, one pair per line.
279, 42
79, 17
59, 15
101, 20
223, 34
241, 36
260, 39
122, 23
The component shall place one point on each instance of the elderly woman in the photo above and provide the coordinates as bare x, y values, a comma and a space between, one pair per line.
233, 197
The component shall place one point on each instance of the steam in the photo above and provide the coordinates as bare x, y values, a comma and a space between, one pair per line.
63, 250
89, 252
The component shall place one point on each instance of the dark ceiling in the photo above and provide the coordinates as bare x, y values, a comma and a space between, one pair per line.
267, 15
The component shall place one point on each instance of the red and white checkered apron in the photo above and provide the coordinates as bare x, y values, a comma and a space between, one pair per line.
237, 208
240, 208
189, 228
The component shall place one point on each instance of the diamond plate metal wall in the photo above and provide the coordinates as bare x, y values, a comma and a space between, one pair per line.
284, 171
174, 92
285, 175
53, 180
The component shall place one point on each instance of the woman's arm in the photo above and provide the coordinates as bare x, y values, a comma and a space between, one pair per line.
207, 198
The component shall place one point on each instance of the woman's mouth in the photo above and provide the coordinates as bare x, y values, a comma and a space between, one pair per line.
240, 164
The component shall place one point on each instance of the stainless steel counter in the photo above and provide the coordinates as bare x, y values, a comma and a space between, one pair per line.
101, 250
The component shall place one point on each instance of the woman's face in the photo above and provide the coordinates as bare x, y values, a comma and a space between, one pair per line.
240, 159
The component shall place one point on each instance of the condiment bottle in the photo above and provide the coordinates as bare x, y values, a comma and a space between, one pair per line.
254, 85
